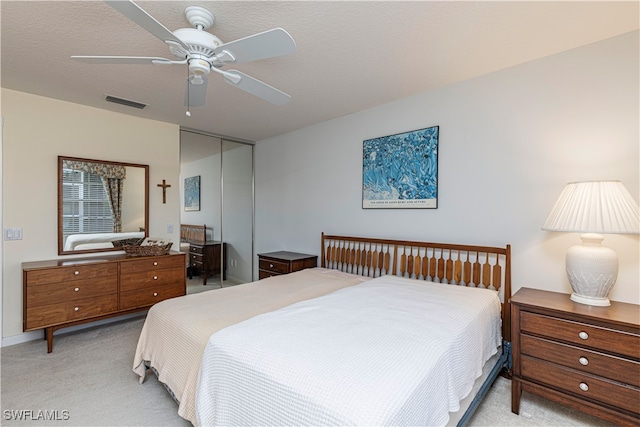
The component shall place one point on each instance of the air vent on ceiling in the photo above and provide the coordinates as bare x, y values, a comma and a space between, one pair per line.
126, 102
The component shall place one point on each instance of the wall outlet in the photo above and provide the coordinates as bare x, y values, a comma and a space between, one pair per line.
169, 228
14, 233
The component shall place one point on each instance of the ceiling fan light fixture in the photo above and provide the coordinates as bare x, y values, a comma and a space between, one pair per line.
199, 67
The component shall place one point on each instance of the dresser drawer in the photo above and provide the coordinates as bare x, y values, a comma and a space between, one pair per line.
72, 272
584, 335
196, 259
151, 263
69, 311
149, 296
608, 366
151, 278
196, 249
274, 266
54, 293
581, 384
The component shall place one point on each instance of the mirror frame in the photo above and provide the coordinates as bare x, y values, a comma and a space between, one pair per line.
61, 250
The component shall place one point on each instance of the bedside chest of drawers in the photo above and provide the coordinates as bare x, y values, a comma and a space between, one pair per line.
208, 259
283, 262
583, 356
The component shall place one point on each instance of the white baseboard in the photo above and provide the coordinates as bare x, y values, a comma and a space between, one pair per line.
39, 335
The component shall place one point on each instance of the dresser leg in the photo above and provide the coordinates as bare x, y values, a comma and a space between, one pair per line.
204, 278
49, 333
516, 394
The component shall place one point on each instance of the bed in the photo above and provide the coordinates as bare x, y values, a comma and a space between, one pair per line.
194, 343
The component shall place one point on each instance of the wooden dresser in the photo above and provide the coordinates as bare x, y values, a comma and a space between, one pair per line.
65, 292
283, 262
582, 356
205, 258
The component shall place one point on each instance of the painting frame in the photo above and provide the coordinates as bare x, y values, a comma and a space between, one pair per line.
192, 193
400, 171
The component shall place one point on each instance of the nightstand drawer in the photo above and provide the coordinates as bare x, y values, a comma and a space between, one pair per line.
607, 366
196, 249
274, 266
581, 384
581, 334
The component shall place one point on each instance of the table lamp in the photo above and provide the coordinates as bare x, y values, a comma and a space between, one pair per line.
593, 208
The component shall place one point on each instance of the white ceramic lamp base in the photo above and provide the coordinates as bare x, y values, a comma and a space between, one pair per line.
592, 270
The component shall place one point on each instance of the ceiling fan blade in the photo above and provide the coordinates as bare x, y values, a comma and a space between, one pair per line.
121, 59
257, 88
195, 95
263, 45
146, 21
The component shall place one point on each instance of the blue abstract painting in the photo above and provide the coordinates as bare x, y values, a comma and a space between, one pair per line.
401, 170
192, 193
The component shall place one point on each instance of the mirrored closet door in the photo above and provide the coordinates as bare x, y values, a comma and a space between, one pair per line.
216, 190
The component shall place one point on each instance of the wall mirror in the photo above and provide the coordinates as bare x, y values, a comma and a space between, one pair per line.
100, 202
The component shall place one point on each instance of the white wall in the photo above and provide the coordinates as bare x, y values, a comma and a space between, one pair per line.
509, 142
36, 131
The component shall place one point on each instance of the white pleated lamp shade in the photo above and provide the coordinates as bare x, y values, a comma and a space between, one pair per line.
604, 207
593, 208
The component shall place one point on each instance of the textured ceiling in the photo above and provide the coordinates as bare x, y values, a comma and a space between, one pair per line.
350, 55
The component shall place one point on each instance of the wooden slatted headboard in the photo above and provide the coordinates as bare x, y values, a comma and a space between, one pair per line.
464, 265
194, 233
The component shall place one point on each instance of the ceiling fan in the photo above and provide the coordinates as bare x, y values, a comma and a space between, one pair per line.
203, 52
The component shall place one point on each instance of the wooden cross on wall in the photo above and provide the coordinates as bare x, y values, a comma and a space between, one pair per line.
164, 186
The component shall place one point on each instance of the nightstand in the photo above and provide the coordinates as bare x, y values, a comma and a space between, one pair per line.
283, 262
208, 258
583, 356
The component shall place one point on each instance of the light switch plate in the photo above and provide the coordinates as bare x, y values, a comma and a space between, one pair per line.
13, 233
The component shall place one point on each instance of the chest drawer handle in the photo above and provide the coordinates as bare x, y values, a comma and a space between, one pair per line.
76, 272
583, 335
155, 263
270, 265
76, 308
155, 294
583, 361
155, 277
76, 289
584, 387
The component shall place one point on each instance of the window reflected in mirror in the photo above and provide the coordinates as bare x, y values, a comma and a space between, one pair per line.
100, 202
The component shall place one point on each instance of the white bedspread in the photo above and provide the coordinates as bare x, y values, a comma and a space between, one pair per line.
390, 351
97, 240
176, 331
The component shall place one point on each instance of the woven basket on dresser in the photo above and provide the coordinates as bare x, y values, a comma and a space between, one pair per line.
133, 248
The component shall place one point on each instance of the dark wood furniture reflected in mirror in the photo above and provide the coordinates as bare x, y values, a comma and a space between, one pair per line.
100, 202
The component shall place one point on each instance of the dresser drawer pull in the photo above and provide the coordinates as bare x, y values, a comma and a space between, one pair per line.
155, 294
583, 361
155, 277
583, 335
584, 387
76, 289
155, 263
76, 272
76, 308
270, 265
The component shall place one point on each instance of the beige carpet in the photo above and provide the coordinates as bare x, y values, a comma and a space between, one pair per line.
88, 381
